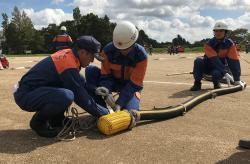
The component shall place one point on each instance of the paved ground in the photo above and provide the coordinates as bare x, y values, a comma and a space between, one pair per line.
207, 134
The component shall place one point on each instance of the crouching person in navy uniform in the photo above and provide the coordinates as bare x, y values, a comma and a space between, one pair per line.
122, 70
219, 52
52, 85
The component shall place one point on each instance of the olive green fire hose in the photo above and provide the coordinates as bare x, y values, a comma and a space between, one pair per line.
186, 106
123, 120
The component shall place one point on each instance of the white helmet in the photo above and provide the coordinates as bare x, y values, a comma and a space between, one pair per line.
125, 35
63, 28
220, 26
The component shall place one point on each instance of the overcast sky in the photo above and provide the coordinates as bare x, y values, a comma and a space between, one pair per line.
160, 19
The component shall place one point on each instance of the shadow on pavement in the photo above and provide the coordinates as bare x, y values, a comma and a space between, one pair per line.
95, 134
187, 93
242, 157
20, 141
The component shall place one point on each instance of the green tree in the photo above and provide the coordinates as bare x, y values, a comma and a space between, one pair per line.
100, 28
38, 44
48, 34
5, 24
19, 32
21, 35
180, 41
27, 32
77, 15
144, 39
239, 35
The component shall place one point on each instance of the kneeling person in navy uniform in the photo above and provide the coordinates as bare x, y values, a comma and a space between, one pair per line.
52, 85
122, 70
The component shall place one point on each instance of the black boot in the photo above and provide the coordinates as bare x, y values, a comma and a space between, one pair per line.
217, 86
196, 86
43, 127
244, 143
58, 120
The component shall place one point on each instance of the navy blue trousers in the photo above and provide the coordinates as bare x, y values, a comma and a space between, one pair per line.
204, 66
48, 101
92, 75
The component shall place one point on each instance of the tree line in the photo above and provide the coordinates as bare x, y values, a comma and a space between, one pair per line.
20, 34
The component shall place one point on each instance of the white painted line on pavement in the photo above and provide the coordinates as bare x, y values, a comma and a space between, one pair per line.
176, 83
168, 82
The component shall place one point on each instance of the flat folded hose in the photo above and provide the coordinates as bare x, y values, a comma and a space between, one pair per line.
188, 105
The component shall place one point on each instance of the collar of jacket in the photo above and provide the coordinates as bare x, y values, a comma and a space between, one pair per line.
62, 33
76, 55
220, 40
130, 55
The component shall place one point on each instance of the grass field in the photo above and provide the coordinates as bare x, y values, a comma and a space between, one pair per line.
187, 50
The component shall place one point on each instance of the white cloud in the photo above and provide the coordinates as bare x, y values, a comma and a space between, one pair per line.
81, 3
160, 19
94, 6
163, 30
240, 22
57, 1
46, 16
176, 23
198, 20
223, 4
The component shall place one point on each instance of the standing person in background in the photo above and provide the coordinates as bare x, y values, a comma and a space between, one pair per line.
150, 49
63, 40
247, 47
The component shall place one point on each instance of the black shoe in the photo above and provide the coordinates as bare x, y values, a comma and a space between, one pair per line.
217, 86
244, 143
43, 127
58, 121
196, 86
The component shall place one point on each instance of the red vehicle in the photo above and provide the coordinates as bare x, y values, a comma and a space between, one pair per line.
4, 61
181, 49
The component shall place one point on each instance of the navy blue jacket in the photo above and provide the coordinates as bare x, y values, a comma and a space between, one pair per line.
220, 52
124, 74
